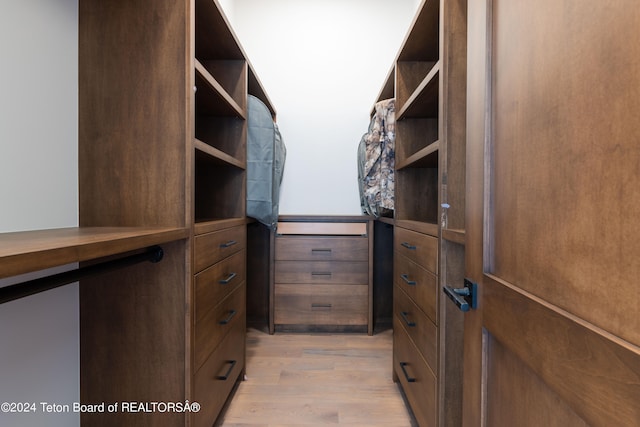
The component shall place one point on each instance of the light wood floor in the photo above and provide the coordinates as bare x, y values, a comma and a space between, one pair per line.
317, 379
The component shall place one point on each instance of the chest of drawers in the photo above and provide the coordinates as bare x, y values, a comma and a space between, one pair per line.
322, 274
219, 318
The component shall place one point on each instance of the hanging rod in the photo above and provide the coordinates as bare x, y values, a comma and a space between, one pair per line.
20, 290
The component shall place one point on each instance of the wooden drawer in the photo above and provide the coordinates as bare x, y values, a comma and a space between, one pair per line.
419, 248
419, 284
213, 247
217, 322
422, 331
217, 281
298, 248
418, 381
216, 378
352, 273
297, 304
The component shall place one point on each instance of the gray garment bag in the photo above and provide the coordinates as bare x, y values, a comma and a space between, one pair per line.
266, 154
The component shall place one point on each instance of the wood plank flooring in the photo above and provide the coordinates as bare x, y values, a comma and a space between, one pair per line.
317, 379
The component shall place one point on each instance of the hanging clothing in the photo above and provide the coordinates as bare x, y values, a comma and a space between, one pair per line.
376, 162
266, 154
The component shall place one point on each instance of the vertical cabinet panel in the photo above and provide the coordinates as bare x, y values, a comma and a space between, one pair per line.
430, 92
163, 89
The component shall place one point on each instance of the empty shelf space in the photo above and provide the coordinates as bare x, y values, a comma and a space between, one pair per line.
218, 156
215, 39
212, 99
422, 40
423, 101
424, 158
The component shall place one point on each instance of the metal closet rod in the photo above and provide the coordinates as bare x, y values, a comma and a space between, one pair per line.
20, 290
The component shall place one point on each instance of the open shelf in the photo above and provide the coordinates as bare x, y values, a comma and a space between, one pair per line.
422, 42
212, 99
218, 156
421, 203
256, 89
426, 157
27, 251
388, 89
214, 37
421, 101
219, 188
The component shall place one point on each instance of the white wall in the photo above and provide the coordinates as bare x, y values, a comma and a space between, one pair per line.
39, 335
323, 64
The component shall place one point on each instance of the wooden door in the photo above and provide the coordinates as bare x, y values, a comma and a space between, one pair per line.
553, 213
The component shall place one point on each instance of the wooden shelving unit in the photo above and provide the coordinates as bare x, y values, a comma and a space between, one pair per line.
429, 85
162, 161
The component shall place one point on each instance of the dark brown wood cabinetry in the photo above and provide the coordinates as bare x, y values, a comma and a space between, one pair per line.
322, 274
428, 81
162, 161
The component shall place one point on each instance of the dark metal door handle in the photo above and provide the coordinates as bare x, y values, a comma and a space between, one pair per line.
465, 298
408, 246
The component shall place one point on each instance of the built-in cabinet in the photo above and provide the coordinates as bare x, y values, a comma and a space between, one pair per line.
163, 91
322, 274
428, 81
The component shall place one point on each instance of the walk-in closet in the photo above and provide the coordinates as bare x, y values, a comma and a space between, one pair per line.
408, 213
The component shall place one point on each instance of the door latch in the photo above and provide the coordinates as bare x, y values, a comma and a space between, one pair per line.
465, 298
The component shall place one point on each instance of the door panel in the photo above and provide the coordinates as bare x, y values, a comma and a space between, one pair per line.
566, 155
553, 216
512, 384
595, 373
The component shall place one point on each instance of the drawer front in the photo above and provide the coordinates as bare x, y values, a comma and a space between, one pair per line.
213, 284
213, 247
298, 304
419, 248
422, 331
217, 322
417, 380
326, 272
419, 284
295, 248
216, 378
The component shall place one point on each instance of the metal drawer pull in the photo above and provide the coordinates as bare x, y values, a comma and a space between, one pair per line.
404, 315
405, 277
228, 319
408, 246
315, 305
232, 364
320, 273
404, 371
229, 278
321, 250
229, 244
